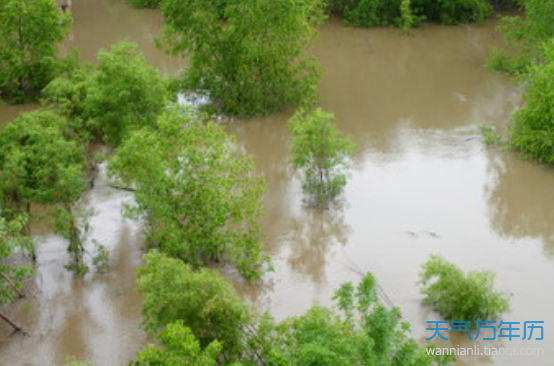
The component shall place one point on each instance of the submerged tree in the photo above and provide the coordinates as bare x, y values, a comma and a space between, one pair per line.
12, 274
203, 300
364, 331
197, 190
180, 347
29, 31
39, 164
321, 151
457, 296
247, 57
125, 93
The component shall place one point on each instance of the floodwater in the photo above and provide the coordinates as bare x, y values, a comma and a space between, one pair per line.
422, 182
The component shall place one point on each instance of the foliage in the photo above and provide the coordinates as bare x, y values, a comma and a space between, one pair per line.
407, 18
125, 93
12, 242
525, 37
249, 58
180, 347
365, 333
491, 137
145, 3
533, 125
371, 13
452, 12
29, 31
197, 190
77, 231
38, 163
72, 361
456, 296
66, 94
203, 300
322, 152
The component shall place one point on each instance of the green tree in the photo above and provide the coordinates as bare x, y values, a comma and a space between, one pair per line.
203, 300
29, 31
456, 296
67, 93
322, 152
40, 164
533, 125
125, 93
249, 57
197, 190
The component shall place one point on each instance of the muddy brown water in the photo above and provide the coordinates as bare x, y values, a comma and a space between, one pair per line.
422, 182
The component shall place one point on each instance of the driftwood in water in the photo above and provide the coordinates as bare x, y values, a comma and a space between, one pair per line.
12, 323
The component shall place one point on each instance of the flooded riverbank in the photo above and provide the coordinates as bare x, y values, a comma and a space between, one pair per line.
422, 182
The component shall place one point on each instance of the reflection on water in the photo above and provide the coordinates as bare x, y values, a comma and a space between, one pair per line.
521, 200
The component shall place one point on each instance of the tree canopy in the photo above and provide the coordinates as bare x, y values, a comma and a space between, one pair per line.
247, 57
125, 93
29, 32
39, 163
197, 190
203, 300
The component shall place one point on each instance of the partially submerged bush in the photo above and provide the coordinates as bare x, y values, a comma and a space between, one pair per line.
457, 296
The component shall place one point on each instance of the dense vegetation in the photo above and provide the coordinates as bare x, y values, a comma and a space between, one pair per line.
121, 93
203, 322
251, 60
525, 37
197, 191
321, 151
29, 31
533, 125
530, 54
457, 296
371, 13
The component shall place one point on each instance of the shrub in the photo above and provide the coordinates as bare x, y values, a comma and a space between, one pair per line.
533, 125
248, 59
460, 297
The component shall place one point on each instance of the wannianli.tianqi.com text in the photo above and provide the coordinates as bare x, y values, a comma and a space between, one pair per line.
485, 351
